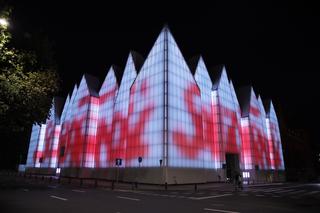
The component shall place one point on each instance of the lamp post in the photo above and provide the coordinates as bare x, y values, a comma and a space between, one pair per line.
4, 23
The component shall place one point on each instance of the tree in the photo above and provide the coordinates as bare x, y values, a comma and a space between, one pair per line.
27, 86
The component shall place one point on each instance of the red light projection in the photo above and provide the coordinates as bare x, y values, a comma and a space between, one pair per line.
135, 134
180, 138
185, 142
132, 137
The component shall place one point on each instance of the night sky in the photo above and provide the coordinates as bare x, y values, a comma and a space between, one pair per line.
274, 47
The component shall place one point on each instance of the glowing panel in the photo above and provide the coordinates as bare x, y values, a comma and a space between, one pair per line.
64, 139
104, 147
274, 140
145, 122
81, 139
32, 152
185, 142
210, 139
226, 119
255, 146
121, 112
51, 139
35, 153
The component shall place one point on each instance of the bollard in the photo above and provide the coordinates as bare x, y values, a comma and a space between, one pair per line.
81, 182
195, 187
165, 186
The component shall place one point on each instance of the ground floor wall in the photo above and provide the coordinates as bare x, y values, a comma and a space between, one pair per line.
162, 175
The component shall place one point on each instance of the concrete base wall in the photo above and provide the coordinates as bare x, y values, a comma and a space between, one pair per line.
151, 175
160, 175
41, 171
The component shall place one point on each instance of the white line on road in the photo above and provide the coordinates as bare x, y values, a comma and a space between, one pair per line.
273, 190
217, 204
59, 198
259, 195
208, 197
290, 190
52, 186
76, 190
128, 198
219, 210
296, 192
310, 193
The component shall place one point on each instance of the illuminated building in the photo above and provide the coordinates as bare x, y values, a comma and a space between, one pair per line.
184, 127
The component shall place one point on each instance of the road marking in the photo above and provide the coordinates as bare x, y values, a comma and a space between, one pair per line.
217, 204
310, 193
208, 197
128, 198
296, 192
59, 198
259, 195
76, 190
219, 210
53, 187
273, 190
290, 190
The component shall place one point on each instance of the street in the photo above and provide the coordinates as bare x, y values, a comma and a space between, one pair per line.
20, 194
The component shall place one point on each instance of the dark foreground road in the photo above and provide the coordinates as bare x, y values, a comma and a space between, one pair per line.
18, 194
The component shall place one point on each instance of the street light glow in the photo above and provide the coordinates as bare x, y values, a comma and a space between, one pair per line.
4, 22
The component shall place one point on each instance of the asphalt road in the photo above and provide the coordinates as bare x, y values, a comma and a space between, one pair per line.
18, 194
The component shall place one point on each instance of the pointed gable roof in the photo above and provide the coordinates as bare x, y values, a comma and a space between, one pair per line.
137, 59
118, 73
193, 63
58, 107
93, 84
244, 98
65, 108
218, 73
109, 80
201, 74
261, 105
234, 95
270, 110
267, 106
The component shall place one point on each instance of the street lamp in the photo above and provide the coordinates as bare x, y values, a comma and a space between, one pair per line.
4, 23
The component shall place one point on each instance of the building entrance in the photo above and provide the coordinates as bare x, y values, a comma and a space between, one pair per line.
232, 165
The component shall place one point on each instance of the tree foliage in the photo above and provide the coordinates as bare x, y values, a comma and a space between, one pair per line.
26, 85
